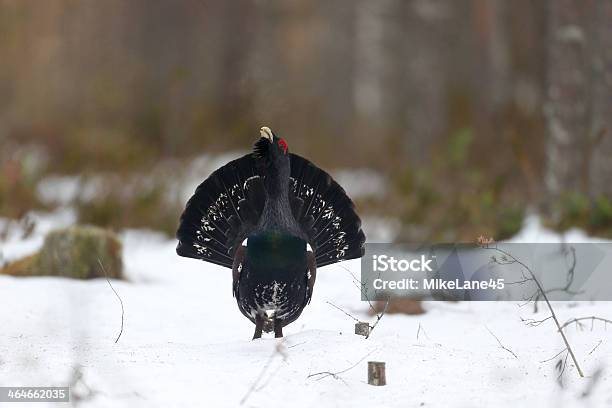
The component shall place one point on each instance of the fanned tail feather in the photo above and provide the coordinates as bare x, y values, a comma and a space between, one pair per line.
326, 213
227, 206
224, 208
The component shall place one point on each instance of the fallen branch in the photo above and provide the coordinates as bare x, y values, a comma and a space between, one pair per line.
336, 375
555, 356
596, 346
346, 313
295, 345
535, 322
500, 343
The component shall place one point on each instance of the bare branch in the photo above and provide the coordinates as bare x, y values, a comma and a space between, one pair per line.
534, 322
506, 255
346, 313
555, 356
336, 375
500, 343
118, 297
378, 317
596, 346
361, 287
561, 366
422, 329
593, 319
295, 345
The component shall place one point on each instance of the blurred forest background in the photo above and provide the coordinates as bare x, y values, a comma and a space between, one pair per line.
473, 112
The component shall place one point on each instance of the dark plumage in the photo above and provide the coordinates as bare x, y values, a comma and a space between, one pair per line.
273, 218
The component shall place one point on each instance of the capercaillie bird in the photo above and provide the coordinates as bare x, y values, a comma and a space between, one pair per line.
273, 217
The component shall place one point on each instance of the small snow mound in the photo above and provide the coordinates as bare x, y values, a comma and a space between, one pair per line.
533, 231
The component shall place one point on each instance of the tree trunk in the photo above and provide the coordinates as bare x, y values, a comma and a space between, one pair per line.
579, 94
600, 169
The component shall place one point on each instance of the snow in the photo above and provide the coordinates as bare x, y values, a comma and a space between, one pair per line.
60, 189
534, 232
360, 183
185, 343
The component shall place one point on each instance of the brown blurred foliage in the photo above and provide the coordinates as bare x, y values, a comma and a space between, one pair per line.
475, 110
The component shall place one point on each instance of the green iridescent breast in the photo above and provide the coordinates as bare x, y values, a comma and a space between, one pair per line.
275, 250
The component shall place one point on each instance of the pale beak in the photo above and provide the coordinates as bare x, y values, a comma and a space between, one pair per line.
266, 133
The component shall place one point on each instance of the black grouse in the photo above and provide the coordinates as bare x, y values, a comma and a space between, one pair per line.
273, 217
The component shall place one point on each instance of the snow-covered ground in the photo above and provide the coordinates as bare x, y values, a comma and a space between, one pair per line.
185, 343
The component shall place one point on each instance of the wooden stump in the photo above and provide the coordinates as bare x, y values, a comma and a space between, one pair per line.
376, 373
362, 329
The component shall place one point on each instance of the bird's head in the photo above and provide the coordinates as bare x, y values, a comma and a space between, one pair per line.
272, 160
270, 150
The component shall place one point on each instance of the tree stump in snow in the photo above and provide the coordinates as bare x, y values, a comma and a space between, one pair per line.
362, 329
376, 373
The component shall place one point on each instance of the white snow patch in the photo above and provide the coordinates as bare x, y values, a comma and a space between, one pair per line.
186, 344
362, 182
534, 232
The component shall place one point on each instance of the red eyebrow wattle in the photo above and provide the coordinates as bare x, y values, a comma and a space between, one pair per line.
283, 144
